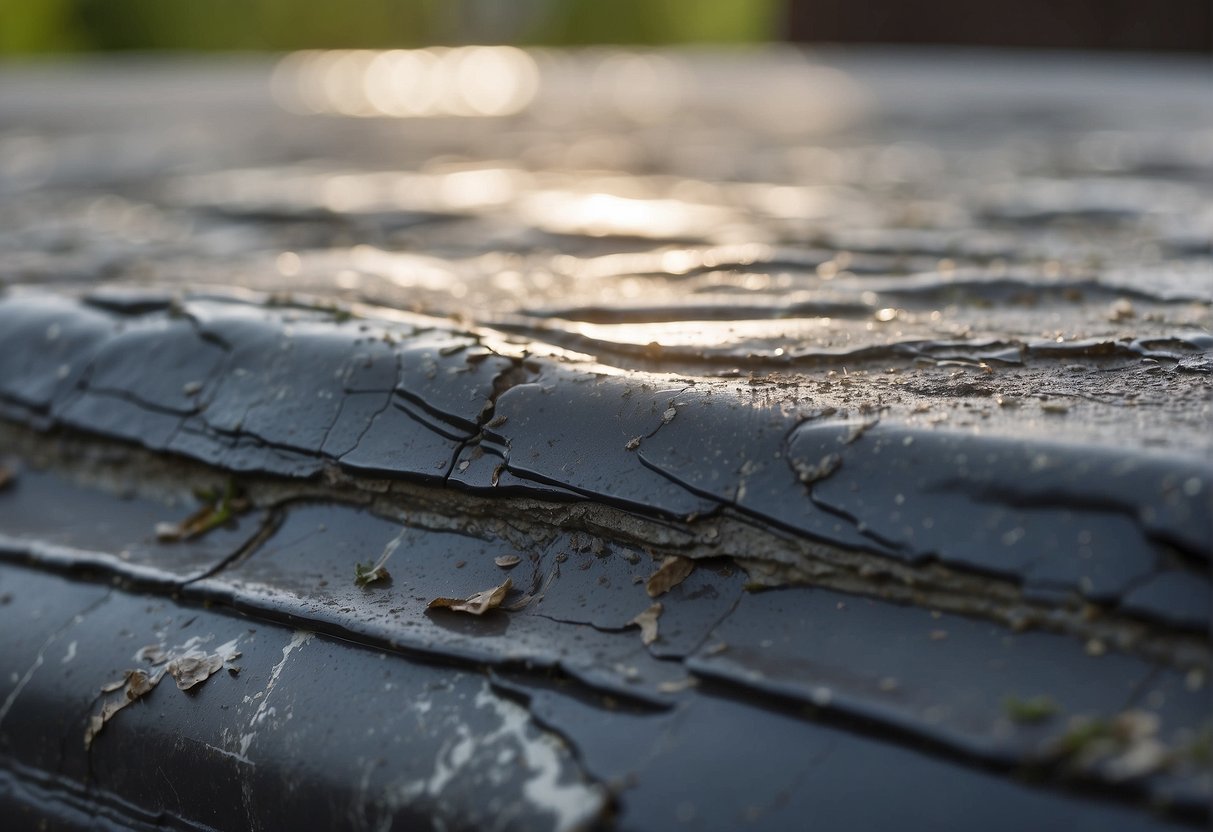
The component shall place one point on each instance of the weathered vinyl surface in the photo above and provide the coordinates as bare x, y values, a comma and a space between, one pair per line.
903, 369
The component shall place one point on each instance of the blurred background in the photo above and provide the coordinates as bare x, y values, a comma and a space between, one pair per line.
30, 27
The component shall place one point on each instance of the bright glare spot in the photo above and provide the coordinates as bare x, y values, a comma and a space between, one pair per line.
400, 83
469, 189
603, 214
289, 263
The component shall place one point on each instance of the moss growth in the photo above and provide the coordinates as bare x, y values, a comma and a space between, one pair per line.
1030, 711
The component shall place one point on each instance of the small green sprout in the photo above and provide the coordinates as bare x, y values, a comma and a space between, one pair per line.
1082, 735
1030, 711
217, 509
1200, 749
369, 573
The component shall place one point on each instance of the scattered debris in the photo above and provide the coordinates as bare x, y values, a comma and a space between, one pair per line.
218, 508
1054, 407
669, 414
6, 477
477, 604
1199, 750
134, 685
633, 443
855, 432
1123, 748
672, 571
1030, 711
369, 573
678, 685
647, 622
521, 604
194, 666
507, 561
1121, 310
188, 665
826, 466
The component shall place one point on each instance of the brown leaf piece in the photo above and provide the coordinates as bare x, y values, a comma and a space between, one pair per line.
477, 604
219, 509
135, 685
507, 561
369, 573
194, 666
810, 473
672, 571
647, 622
521, 604
188, 665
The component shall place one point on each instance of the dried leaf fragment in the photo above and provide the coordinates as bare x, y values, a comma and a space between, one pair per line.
521, 604
217, 510
507, 561
856, 431
1121, 310
187, 664
152, 654
1030, 711
810, 473
647, 622
477, 604
672, 571
194, 666
369, 573
135, 684
678, 685
6, 477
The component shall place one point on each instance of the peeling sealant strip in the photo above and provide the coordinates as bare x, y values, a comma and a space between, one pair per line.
298, 639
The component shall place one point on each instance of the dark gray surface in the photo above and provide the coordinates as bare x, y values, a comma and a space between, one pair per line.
921, 340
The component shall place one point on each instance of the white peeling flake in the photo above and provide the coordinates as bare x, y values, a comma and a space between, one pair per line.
574, 804
298, 639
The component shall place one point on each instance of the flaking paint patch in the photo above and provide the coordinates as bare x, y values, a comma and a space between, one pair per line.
298, 639
575, 804
24, 679
453, 757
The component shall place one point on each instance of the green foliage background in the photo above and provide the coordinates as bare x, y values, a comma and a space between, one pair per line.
49, 26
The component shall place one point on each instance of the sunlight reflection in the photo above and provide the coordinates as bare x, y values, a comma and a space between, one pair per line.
603, 214
416, 83
691, 333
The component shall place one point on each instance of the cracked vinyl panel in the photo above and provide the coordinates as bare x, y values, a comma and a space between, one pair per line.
862, 429
683, 450
964, 688
265, 746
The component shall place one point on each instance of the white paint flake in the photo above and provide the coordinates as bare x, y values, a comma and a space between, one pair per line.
298, 639
574, 804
